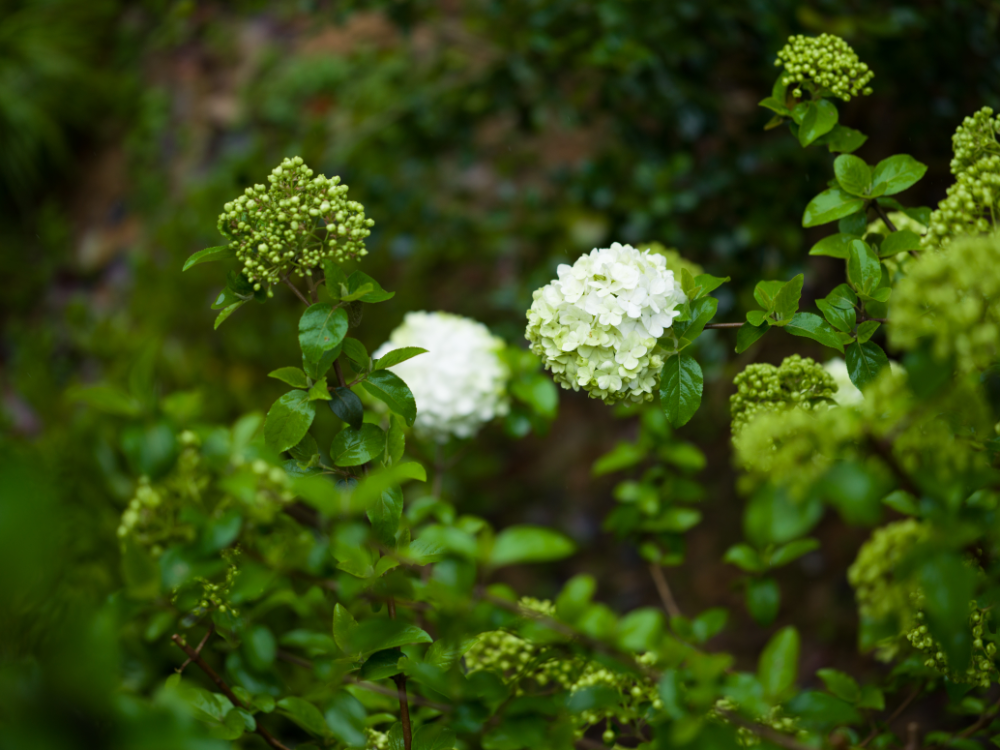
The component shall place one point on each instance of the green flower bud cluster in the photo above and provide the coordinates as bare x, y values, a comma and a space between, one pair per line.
774, 718
952, 299
760, 388
825, 63
293, 225
216, 595
376, 740
879, 591
982, 670
972, 204
525, 664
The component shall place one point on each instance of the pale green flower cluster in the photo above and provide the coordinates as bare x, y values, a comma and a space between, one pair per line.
522, 664
825, 63
953, 300
293, 225
596, 326
762, 388
972, 204
900, 221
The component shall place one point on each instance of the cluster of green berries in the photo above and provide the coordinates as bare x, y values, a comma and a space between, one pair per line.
215, 596
525, 665
972, 204
825, 63
775, 718
982, 670
879, 592
798, 382
952, 299
293, 225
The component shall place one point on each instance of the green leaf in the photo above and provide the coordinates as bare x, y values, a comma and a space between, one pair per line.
822, 712
949, 584
819, 119
744, 557
435, 736
260, 647
346, 717
334, 276
357, 353
537, 391
855, 224
763, 600
575, 597
396, 439
864, 362
775, 105
384, 515
786, 301
863, 268
842, 140
680, 388
379, 634
521, 544
347, 406
842, 320
358, 293
288, 420
835, 246
830, 205
378, 294
708, 283
316, 370
813, 327
842, 297
709, 624
321, 328
867, 329
872, 697
353, 447
344, 627
305, 449
305, 714
792, 551
622, 456
107, 398
779, 663
221, 252
389, 388
853, 174
896, 174
900, 241
702, 311
756, 317
766, 291
748, 335
320, 390
395, 356
841, 685
223, 316
291, 375
381, 664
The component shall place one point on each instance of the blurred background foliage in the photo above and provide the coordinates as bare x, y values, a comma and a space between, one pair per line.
490, 141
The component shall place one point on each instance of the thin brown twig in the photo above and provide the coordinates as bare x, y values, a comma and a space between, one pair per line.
894, 715
666, 595
404, 711
295, 289
211, 629
980, 722
889, 225
724, 325
214, 677
340, 373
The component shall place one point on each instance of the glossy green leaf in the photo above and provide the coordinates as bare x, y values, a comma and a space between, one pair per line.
320, 390
708, 283
347, 406
811, 326
842, 320
899, 242
786, 301
835, 246
819, 119
702, 312
864, 362
395, 356
288, 420
353, 447
897, 173
291, 375
681, 384
385, 514
779, 663
223, 316
867, 329
389, 388
209, 254
842, 297
842, 140
863, 268
775, 105
321, 328
381, 664
830, 205
853, 175
357, 353
522, 544
378, 294
747, 336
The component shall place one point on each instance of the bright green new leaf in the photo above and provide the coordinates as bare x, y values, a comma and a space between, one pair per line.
779, 663
353, 447
819, 119
786, 301
389, 388
319, 391
853, 174
223, 316
775, 105
748, 335
813, 327
321, 328
744, 557
830, 205
835, 246
681, 384
521, 544
896, 174
378, 294
358, 293
708, 283
863, 268
221, 252
702, 311
899, 242
291, 375
867, 329
756, 317
288, 420
395, 356
765, 293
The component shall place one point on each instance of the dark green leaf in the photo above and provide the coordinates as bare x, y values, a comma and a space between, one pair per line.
346, 405
842, 320
853, 174
680, 388
863, 268
899, 242
395, 356
763, 600
353, 447
834, 246
821, 711
897, 173
357, 353
842, 297
748, 335
305, 449
819, 119
384, 515
222, 252
520, 544
813, 327
321, 328
702, 311
864, 362
389, 387
792, 551
841, 685
830, 205
305, 714
291, 375
288, 420
867, 329
381, 664
854, 224
779, 663
949, 585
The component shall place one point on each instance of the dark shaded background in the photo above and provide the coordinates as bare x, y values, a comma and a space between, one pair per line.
490, 141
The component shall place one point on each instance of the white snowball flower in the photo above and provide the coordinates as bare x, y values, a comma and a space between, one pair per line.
460, 383
847, 393
596, 326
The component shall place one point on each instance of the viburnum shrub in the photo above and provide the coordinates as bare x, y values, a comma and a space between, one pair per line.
333, 600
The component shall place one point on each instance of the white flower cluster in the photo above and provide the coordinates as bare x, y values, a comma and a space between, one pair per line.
460, 384
596, 326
